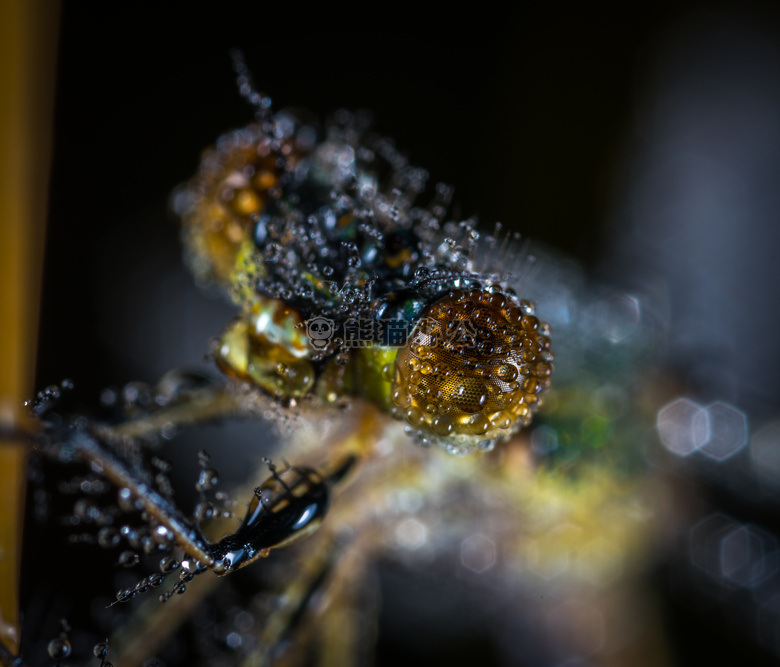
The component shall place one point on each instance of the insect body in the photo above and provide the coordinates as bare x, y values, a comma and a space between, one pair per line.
348, 288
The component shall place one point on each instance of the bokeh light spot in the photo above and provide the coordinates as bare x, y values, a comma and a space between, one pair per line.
727, 430
682, 425
748, 556
478, 553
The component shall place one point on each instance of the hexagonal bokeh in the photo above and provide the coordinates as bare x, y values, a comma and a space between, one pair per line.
718, 431
728, 431
735, 554
478, 553
705, 542
682, 425
748, 556
618, 317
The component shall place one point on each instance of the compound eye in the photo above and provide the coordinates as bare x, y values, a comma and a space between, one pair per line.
473, 370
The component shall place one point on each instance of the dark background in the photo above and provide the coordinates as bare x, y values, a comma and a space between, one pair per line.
529, 113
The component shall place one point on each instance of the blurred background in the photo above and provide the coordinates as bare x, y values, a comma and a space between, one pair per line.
644, 144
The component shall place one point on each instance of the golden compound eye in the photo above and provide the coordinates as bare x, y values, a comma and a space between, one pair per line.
473, 370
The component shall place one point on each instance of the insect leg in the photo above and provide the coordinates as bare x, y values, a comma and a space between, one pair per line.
186, 536
346, 619
314, 568
202, 405
318, 612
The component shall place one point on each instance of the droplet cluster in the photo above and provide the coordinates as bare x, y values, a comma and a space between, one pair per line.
473, 370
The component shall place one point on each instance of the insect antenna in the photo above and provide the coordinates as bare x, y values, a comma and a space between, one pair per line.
274, 473
246, 87
143, 585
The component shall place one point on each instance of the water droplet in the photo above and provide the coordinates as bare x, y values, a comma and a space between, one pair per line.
128, 558
125, 500
442, 425
58, 648
207, 479
401, 398
156, 579
204, 511
132, 536
272, 252
415, 417
108, 537
162, 535
530, 323
123, 594
148, 544
82, 507
532, 386
100, 650
502, 420
479, 424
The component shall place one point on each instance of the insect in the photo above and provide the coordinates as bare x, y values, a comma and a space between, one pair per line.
349, 288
